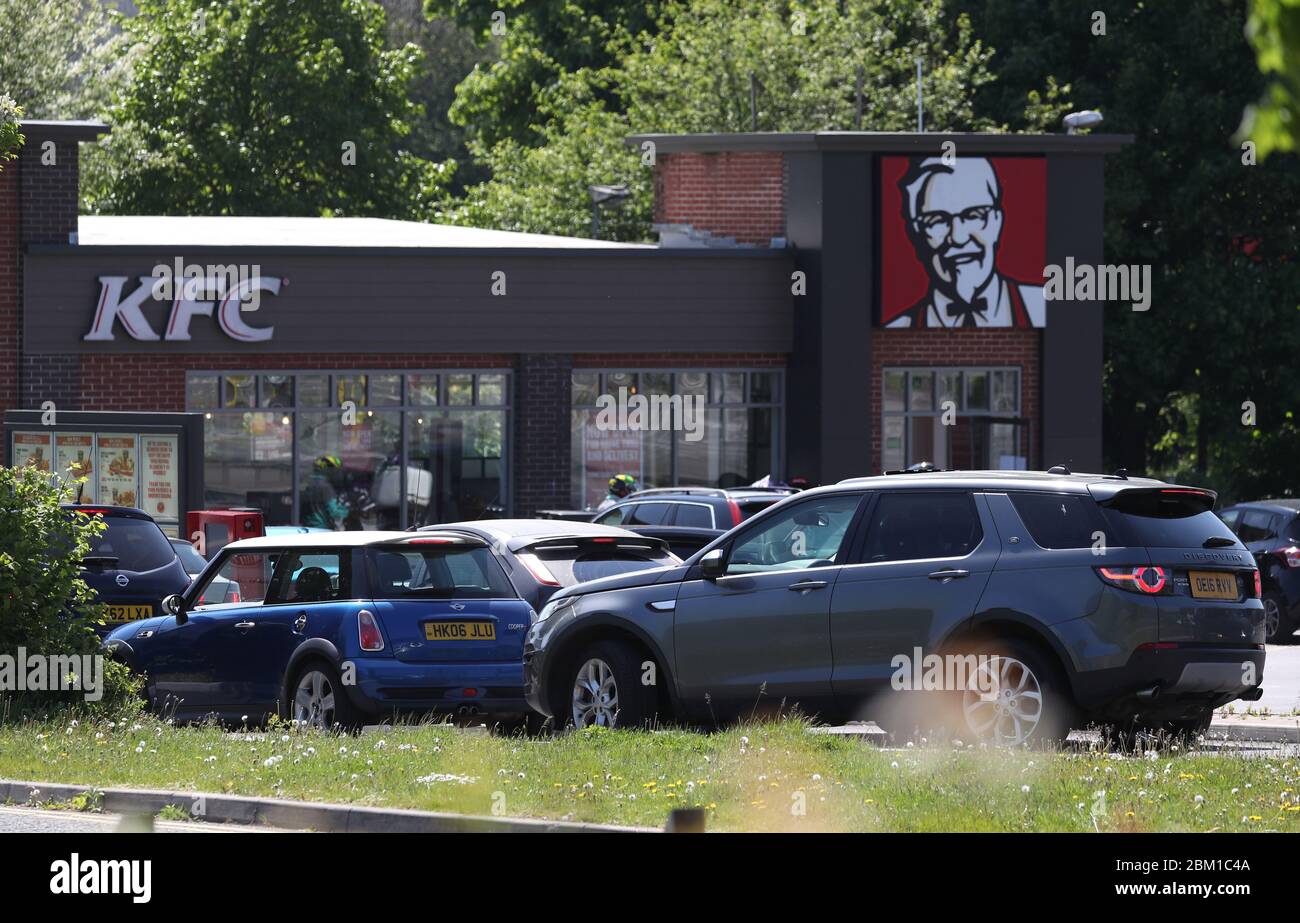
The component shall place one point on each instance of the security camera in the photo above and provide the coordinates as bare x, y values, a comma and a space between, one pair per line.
1078, 120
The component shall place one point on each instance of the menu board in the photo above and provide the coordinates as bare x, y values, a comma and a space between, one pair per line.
31, 450
74, 455
117, 459
159, 481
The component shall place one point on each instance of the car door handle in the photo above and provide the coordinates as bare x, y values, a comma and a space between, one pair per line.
300, 622
245, 624
803, 585
949, 574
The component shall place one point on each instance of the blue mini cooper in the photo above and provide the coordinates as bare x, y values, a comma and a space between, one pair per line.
337, 628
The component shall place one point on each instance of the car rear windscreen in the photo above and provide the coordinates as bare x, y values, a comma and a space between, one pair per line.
1163, 519
578, 566
137, 544
750, 507
438, 572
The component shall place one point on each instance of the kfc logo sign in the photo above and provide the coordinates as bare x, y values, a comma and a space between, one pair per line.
223, 296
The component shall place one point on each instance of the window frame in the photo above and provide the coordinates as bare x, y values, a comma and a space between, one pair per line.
847, 544
936, 372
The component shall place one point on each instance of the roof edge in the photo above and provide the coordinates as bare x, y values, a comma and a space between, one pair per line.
882, 141
68, 130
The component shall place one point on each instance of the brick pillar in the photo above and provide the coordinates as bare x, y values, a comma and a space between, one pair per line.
542, 399
10, 302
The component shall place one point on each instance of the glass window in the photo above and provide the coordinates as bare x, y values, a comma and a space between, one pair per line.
615, 516
648, 514
1059, 520
977, 391
201, 391
132, 545
949, 390
693, 383
313, 390
728, 387
350, 388
1229, 518
586, 388
491, 389
277, 391
657, 382
762, 388
248, 461
385, 390
238, 391
438, 572
1005, 397
921, 525
952, 418
422, 390
348, 476
694, 515
1256, 525
894, 391
241, 579
311, 577
616, 380
921, 396
805, 535
460, 389
456, 465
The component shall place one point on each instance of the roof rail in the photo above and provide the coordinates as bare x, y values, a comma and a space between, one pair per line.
695, 491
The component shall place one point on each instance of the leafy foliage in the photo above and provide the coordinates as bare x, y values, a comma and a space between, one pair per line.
1219, 234
250, 107
11, 135
1273, 123
691, 72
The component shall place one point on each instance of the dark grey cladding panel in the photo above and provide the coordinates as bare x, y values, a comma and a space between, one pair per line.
385, 301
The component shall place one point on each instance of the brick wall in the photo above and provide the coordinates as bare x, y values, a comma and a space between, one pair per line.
541, 428
631, 361
740, 195
960, 348
10, 292
49, 190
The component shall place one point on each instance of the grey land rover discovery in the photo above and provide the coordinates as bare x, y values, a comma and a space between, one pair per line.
1062, 599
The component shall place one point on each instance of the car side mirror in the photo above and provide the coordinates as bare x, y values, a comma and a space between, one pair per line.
714, 564
175, 605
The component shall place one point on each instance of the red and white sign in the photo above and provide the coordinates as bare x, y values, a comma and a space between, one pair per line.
159, 481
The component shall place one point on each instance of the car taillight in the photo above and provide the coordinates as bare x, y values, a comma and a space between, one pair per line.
735, 512
368, 630
234, 596
539, 570
1259, 586
1290, 555
1146, 579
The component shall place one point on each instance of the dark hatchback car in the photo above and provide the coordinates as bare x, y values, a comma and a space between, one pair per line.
1271, 530
131, 566
1069, 599
542, 555
688, 518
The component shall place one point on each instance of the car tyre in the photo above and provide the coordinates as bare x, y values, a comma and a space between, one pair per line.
604, 688
1278, 627
316, 698
1024, 700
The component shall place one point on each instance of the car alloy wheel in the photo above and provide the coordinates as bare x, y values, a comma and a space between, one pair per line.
1006, 705
1272, 618
595, 695
313, 700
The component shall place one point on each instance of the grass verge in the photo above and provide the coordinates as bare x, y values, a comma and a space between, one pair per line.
768, 776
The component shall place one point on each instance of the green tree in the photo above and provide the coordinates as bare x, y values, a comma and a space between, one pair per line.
11, 135
269, 107
692, 72
1220, 234
1273, 123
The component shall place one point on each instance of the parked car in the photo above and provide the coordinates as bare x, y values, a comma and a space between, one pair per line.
1080, 598
1271, 530
220, 589
688, 518
131, 565
543, 555
417, 621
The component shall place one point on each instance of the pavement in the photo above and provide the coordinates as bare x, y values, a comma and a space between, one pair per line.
44, 820
1281, 681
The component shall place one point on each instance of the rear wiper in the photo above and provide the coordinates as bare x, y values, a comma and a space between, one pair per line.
1218, 541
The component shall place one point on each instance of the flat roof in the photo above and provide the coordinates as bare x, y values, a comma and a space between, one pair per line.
903, 142
68, 129
237, 231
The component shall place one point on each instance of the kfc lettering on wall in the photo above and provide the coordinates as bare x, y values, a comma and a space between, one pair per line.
227, 294
963, 241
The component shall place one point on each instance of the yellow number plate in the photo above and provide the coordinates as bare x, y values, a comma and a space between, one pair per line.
129, 613
460, 631
1212, 585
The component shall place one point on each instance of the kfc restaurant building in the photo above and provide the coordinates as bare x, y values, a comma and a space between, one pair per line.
837, 304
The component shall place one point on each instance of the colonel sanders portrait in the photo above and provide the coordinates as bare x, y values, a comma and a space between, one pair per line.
953, 216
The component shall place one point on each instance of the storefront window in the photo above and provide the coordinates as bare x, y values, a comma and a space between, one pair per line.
734, 442
954, 418
310, 459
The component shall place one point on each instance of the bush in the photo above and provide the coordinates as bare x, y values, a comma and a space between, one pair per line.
46, 608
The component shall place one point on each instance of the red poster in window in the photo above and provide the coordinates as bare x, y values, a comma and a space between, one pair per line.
963, 241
